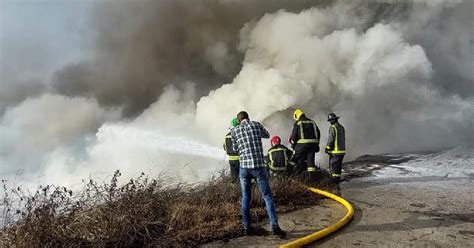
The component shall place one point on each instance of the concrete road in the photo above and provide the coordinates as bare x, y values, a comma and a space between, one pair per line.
395, 212
408, 212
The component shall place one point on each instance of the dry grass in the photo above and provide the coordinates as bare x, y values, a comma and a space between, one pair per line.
144, 212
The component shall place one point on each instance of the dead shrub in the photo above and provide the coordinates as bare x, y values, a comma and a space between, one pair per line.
142, 212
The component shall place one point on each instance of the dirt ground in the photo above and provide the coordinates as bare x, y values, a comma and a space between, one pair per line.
389, 212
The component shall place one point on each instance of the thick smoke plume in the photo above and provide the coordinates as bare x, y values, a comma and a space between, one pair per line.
167, 76
143, 46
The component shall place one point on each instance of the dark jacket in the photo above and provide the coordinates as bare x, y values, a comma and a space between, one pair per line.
336, 139
229, 148
279, 158
305, 131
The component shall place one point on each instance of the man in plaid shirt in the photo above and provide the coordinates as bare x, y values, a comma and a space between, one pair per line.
247, 140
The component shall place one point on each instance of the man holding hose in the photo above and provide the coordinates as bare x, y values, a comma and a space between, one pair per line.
231, 154
247, 141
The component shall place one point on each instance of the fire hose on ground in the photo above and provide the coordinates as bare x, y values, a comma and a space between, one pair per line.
328, 230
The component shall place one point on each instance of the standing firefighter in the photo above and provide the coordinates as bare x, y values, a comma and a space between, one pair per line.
336, 147
231, 153
279, 158
305, 139
247, 140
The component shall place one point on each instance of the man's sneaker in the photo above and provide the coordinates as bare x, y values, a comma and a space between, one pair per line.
278, 232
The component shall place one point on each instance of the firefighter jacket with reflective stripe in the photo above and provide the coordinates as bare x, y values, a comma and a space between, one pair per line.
305, 131
336, 139
229, 148
279, 158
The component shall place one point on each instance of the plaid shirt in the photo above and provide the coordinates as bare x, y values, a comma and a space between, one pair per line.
247, 140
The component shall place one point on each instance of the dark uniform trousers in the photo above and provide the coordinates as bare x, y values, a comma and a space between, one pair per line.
304, 158
335, 162
234, 169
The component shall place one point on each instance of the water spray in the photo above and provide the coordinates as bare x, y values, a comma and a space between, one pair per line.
159, 141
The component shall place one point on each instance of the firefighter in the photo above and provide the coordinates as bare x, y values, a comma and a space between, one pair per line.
336, 147
232, 155
305, 140
279, 158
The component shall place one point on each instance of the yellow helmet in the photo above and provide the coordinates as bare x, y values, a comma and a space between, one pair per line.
297, 114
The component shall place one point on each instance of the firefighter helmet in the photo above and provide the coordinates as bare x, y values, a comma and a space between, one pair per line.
275, 140
297, 114
332, 117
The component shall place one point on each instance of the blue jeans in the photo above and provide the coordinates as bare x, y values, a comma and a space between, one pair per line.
260, 175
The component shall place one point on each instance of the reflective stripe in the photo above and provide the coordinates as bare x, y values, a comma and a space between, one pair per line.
272, 167
328, 147
311, 169
306, 141
336, 145
277, 149
233, 158
336, 175
300, 124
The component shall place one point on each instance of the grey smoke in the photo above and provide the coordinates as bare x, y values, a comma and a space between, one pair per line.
399, 73
143, 46
448, 38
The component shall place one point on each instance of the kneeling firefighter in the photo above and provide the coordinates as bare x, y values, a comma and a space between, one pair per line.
336, 147
279, 159
305, 140
232, 155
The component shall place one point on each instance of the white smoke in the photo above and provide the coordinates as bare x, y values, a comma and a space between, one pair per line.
287, 65
50, 138
39, 126
161, 139
135, 150
374, 79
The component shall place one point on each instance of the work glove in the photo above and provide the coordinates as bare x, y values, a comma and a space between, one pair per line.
326, 150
